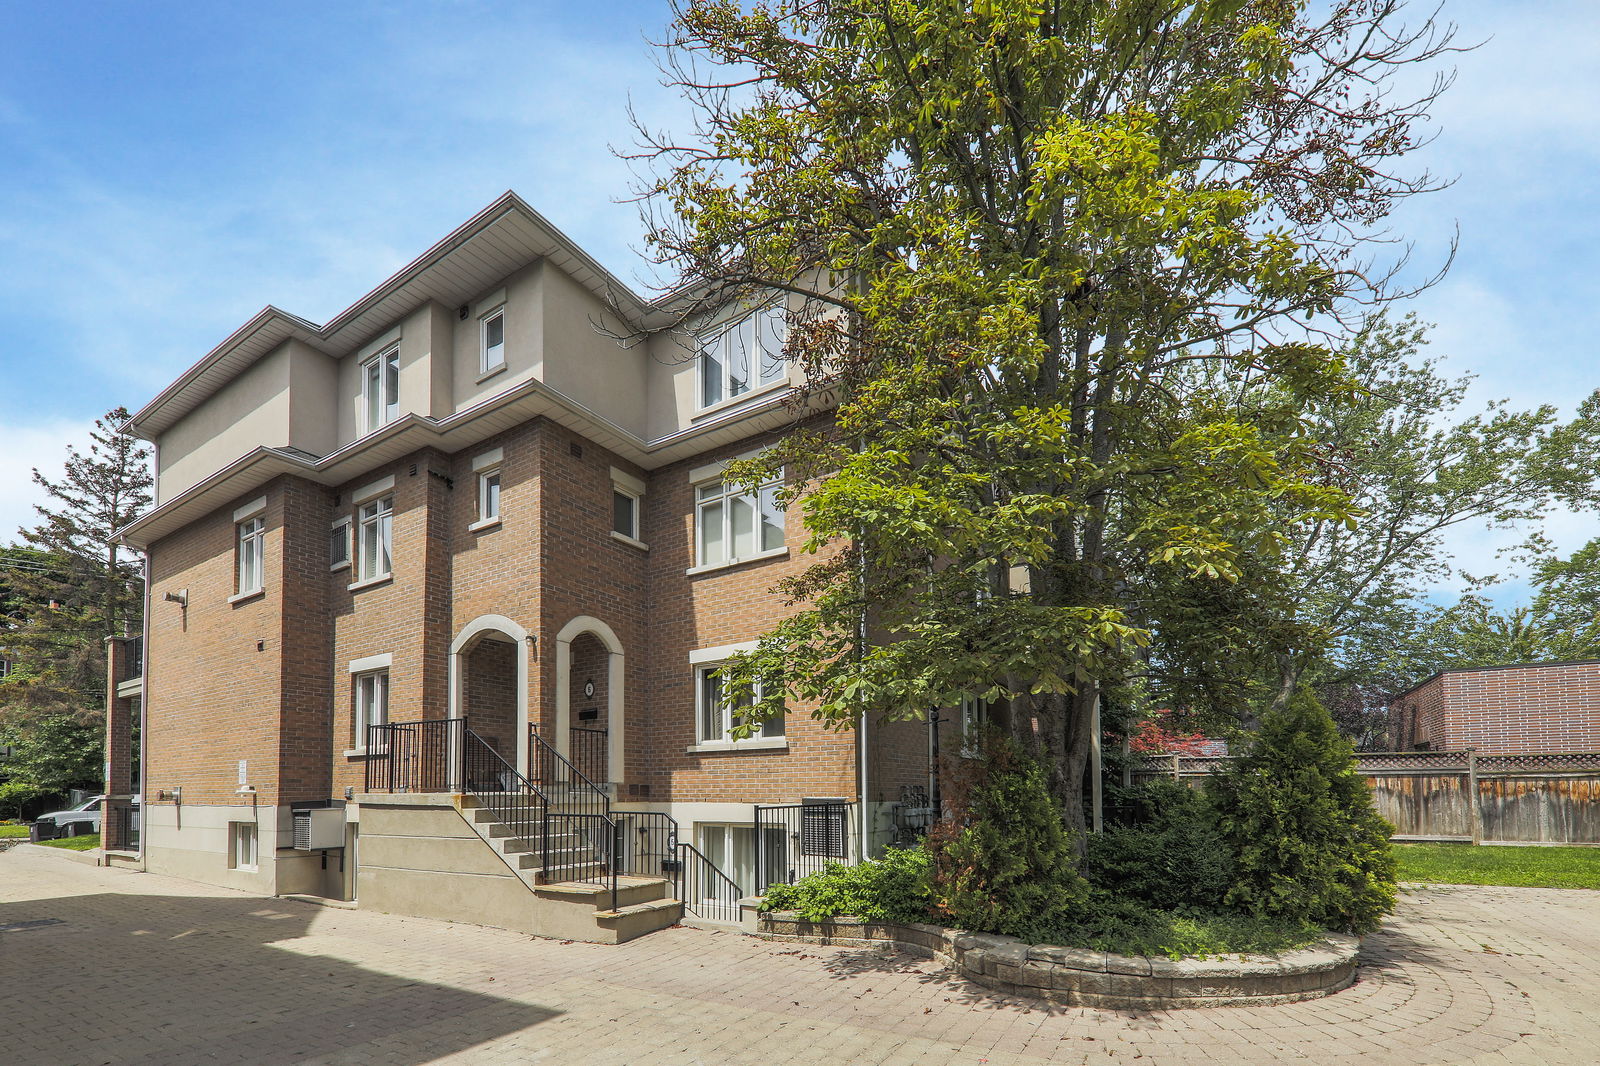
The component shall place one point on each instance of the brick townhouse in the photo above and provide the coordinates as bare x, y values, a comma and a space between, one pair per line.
1523, 709
436, 594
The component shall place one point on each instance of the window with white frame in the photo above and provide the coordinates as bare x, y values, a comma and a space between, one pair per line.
745, 355
627, 496
492, 340
732, 849
244, 851
974, 718
380, 388
371, 706
339, 544
733, 524
718, 713
489, 495
5, 669
250, 538
374, 539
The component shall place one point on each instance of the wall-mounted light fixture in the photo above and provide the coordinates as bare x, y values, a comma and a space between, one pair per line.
181, 597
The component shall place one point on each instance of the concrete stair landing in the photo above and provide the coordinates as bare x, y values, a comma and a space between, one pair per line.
442, 856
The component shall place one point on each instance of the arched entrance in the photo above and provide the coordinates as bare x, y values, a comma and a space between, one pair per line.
489, 684
590, 724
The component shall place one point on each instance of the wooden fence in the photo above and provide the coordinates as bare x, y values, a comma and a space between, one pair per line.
1458, 795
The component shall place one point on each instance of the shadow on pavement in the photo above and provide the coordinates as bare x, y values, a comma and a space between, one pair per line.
130, 978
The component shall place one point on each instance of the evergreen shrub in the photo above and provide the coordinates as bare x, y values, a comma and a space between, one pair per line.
1004, 863
1308, 845
1172, 856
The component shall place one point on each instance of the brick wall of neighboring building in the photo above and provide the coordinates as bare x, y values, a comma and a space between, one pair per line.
1545, 707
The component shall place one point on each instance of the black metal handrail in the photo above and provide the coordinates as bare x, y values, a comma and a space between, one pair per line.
578, 837
647, 842
413, 756
704, 889
590, 751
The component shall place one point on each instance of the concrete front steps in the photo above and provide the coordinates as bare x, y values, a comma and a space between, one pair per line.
439, 855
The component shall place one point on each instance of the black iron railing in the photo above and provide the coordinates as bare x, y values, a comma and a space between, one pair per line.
580, 840
796, 839
413, 756
589, 748
706, 891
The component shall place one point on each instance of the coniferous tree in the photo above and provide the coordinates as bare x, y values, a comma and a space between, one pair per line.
1308, 844
72, 586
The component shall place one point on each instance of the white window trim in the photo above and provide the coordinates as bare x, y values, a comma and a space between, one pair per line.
366, 492
714, 335
484, 467
348, 522
376, 577
360, 669
250, 510
625, 484
485, 367
702, 660
381, 359
233, 847
259, 536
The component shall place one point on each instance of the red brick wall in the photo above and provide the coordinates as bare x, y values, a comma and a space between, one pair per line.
1528, 709
719, 607
268, 679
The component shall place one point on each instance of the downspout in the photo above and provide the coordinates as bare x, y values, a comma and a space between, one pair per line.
144, 711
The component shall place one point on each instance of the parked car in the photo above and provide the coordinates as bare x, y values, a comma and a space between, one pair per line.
75, 821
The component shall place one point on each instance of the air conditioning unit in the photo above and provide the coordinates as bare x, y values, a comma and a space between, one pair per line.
319, 828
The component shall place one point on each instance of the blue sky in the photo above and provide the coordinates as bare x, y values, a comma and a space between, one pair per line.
167, 169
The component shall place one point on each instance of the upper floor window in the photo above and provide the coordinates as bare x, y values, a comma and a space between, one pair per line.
720, 713
492, 340
380, 388
251, 535
747, 355
339, 544
489, 495
375, 539
733, 525
5, 669
627, 498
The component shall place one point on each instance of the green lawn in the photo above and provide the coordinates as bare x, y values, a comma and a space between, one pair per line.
87, 842
1464, 864
13, 831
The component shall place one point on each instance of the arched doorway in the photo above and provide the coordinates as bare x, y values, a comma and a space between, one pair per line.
489, 684
590, 724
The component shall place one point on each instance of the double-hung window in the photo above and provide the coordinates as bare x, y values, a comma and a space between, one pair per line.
746, 355
719, 713
974, 719
374, 539
371, 706
492, 340
251, 538
734, 524
380, 388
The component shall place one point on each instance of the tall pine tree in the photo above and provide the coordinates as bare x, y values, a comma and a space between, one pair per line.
70, 586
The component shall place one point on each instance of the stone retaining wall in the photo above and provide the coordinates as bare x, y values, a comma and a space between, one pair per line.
1080, 977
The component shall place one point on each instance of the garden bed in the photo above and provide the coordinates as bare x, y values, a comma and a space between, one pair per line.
1081, 977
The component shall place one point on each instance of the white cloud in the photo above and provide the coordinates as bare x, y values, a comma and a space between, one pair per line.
42, 447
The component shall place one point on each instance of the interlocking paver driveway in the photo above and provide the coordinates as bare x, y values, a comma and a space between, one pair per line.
148, 969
